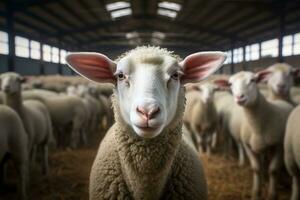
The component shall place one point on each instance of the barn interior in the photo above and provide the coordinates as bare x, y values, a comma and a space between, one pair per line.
36, 35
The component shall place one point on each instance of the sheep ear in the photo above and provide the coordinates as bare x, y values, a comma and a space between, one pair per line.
296, 72
24, 79
93, 66
262, 76
198, 66
192, 87
222, 84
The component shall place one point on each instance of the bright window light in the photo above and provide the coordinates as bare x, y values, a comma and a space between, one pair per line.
297, 44
287, 45
238, 55
55, 55
22, 47
121, 13
35, 50
63, 54
46, 53
3, 36
169, 5
167, 13
269, 48
117, 5
4, 43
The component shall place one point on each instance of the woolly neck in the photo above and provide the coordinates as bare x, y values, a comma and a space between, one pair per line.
272, 95
14, 100
146, 162
257, 113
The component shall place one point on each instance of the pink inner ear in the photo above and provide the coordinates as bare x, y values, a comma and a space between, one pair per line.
96, 67
262, 76
200, 65
222, 83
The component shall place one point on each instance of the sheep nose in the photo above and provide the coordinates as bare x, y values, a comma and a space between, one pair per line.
281, 86
240, 96
148, 113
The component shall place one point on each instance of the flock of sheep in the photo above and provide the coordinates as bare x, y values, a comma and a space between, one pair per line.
43, 112
162, 117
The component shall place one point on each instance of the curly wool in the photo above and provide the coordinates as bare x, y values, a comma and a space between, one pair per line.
129, 167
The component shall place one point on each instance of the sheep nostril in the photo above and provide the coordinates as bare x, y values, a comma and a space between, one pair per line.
142, 112
153, 112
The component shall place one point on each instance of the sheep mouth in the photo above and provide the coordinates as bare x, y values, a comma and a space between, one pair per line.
147, 128
241, 101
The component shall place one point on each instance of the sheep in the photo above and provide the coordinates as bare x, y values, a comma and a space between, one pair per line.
143, 155
263, 126
200, 115
67, 115
34, 115
14, 141
280, 81
292, 151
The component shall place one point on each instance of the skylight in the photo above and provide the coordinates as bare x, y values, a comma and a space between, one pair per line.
121, 13
117, 5
169, 5
167, 13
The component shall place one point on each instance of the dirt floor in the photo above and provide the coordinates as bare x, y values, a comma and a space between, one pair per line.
69, 174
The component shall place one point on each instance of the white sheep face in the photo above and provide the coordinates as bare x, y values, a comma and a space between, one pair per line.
148, 82
244, 88
11, 82
281, 79
207, 92
148, 91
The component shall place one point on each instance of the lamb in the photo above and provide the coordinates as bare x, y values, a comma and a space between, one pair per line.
67, 115
34, 115
200, 115
143, 155
262, 129
292, 151
280, 81
14, 141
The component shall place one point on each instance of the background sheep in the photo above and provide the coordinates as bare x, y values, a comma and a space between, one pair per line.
144, 145
258, 136
292, 151
14, 142
200, 115
34, 115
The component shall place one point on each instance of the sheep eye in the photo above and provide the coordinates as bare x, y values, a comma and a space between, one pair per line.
121, 76
175, 76
252, 80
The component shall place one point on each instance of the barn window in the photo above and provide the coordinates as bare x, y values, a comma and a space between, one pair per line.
228, 59
287, 45
22, 47
63, 54
119, 9
297, 44
269, 48
35, 50
238, 55
168, 9
55, 55
121, 13
4, 43
46, 53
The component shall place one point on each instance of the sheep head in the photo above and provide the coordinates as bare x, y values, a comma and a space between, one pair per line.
148, 81
11, 82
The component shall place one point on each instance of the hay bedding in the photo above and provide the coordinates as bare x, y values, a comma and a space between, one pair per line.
69, 174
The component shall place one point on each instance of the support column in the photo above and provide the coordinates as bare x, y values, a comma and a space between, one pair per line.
281, 30
244, 58
232, 63
11, 35
60, 70
42, 63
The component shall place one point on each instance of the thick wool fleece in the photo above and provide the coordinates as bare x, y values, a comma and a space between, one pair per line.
130, 167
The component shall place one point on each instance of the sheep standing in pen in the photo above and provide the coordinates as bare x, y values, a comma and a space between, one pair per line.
14, 144
67, 115
34, 115
280, 81
143, 155
200, 116
262, 129
292, 151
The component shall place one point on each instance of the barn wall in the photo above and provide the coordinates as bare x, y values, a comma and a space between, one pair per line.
262, 63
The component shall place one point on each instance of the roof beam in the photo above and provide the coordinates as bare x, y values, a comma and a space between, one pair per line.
177, 25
